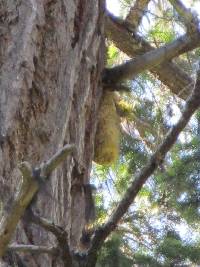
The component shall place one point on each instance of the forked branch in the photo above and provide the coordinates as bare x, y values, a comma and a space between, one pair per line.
26, 192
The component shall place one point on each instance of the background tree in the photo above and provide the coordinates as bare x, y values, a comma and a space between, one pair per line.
52, 81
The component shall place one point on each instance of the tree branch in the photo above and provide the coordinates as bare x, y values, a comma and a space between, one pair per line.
48, 167
189, 19
116, 87
169, 73
60, 234
133, 67
44, 223
156, 159
33, 249
136, 13
14, 211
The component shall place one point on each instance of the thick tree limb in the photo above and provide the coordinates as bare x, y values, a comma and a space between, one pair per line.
133, 67
26, 192
136, 13
131, 44
33, 249
189, 19
156, 159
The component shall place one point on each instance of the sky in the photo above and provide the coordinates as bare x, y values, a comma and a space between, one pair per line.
114, 6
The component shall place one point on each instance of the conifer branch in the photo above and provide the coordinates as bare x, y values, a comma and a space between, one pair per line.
139, 179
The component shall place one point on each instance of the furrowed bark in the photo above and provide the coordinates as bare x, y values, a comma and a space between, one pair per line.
51, 60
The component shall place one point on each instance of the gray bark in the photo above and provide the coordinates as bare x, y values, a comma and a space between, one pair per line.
51, 59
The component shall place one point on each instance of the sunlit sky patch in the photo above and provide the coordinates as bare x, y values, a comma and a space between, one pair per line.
113, 6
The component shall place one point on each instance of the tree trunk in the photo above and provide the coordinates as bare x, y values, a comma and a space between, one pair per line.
51, 59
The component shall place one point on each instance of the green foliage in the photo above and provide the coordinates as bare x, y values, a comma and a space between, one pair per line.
161, 228
111, 255
174, 250
181, 180
161, 33
145, 261
112, 54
